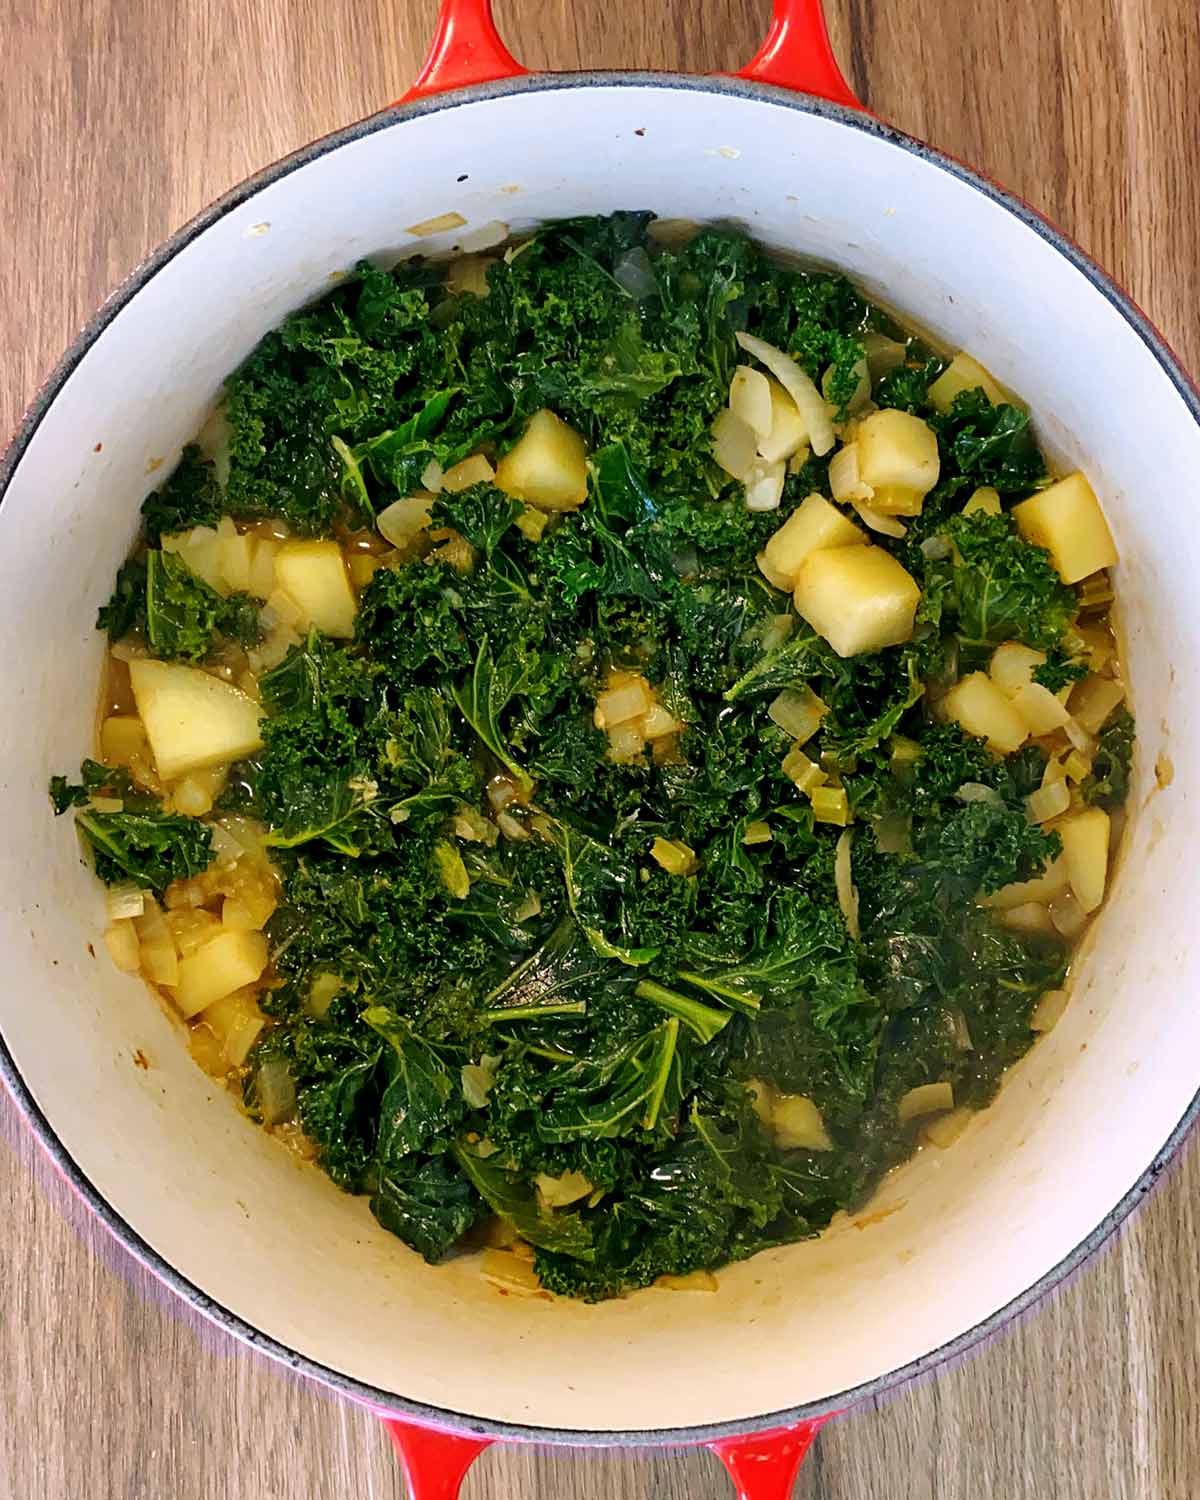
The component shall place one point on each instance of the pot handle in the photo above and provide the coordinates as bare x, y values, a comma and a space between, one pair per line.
466, 49
762, 1465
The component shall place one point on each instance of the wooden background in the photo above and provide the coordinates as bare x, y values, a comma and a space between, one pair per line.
118, 120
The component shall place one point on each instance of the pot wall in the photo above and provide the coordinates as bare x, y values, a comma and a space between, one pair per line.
954, 1236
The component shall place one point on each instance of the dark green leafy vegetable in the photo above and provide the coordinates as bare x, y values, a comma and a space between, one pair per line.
482, 979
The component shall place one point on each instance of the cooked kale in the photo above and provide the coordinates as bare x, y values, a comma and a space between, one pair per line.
484, 979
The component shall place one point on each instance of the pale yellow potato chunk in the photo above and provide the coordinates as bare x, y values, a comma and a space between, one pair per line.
964, 374
984, 710
227, 962
814, 526
1012, 666
858, 598
1042, 888
1085, 837
547, 467
897, 449
192, 719
985, 499
1067, 520
314, 576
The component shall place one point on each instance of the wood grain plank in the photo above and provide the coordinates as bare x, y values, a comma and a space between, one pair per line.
119, 120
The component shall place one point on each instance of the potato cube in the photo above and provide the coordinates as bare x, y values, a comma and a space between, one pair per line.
1041, 710
963, 374
192, 719
789, 431
814, 526
1085, 838
236, 1021
1067, 520
234, 557
547, 467
896, 448
313, 575
982, 709
1012, 666
858, 598
985, 499
227, 962
1042, 888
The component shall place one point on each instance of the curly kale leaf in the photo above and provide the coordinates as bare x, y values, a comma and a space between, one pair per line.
1108, 785
190, 497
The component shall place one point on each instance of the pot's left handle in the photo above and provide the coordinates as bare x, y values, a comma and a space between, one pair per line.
762, 1465
796, 54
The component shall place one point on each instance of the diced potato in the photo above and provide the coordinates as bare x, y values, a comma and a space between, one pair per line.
858, 598
626, 743
985, 499
674, 857
963, 374
234, 558
796, 1123
192, 797
237, 1021
469, 274
262, 568
473, 470
192, 719
925, 1099
401, 521
123, 740
362, 567
788, 432
896, 448
532, 523
314, 575
978, 706
227, 962
750, 399
1042, 888
1041, 710
1085, 838
897, 500
121, 941
1093, 700
1067, 520
547, 467
1012, 666
814, 526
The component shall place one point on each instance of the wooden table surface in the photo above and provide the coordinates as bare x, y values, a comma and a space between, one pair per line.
119, 119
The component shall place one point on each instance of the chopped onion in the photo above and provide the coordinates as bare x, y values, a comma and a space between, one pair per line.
883, 354
403, 519
1079, 737
735, 446
658, 722
618, 705
936, 548
511, 827
803, 772
1048, 1011
778, 630
125, 900
562, 1191
876, 521
814, 410
431, 476
750, 399
634, 274
276, 1091
946, 1129
893, 834
975, 791
122, 944
477, 1080
925, 1099
1093, 700
846, 894
764, 485
1068, 916
798, 712
1048, 802
501, 790
512, 1273
845, 483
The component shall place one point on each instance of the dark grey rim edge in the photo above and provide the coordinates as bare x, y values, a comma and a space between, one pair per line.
388, 1402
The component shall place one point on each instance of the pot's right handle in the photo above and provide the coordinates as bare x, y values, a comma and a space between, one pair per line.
467, 49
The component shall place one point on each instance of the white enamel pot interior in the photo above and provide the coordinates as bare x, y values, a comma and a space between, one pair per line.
269, 1247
